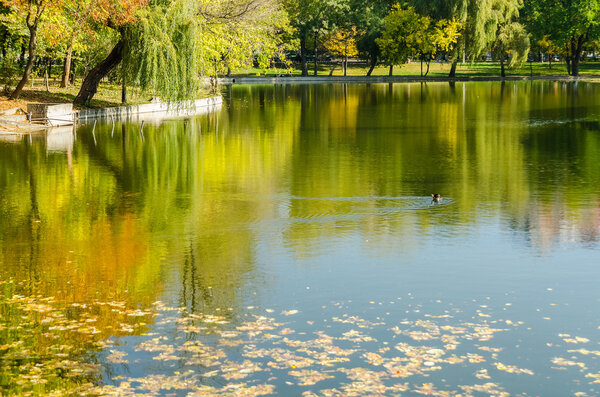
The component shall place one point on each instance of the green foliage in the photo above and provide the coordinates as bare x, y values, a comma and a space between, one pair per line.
9, 74
160, 51
313, 17
567, 25
368, 17
342, 43
510, 37
306, 16
254, 37
407, 33
560, 20
403, 29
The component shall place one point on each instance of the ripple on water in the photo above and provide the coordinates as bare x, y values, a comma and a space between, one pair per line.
345, 208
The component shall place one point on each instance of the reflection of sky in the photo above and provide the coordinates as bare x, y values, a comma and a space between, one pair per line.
530, 259
489, 269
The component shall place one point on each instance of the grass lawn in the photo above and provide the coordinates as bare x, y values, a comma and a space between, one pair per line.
437, 69
107, 95
110, 94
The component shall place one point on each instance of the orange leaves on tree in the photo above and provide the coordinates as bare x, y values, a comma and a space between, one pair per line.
115, 12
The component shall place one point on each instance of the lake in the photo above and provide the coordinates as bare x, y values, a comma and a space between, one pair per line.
288, 244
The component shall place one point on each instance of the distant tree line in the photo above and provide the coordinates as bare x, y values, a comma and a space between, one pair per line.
164, 46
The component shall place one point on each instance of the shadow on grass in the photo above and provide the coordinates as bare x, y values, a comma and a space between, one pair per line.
62, 97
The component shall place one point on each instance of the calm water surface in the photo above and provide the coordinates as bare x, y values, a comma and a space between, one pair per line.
288, 244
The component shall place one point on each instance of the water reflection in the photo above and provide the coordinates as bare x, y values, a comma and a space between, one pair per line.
210, 212
527, 152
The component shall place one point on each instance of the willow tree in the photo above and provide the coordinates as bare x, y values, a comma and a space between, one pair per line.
510, 38
480, 20
159, 53
513, 40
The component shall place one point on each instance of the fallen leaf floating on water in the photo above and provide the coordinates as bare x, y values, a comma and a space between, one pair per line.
512, 369
482, 374
356, 353
309, 377
117, 357
576, 340
563, 362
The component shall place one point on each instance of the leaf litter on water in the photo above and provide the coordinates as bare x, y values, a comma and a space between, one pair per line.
257, 355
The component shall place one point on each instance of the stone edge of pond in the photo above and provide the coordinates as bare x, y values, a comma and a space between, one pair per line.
157, 110
392, 79
16, 126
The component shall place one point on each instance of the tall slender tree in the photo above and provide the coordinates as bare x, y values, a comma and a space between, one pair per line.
479, 18
368, 17
31, 11
308, 17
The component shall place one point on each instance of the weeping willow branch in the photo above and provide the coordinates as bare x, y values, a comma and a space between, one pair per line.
160, 52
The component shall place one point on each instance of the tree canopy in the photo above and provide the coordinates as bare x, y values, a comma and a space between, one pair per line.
165, 47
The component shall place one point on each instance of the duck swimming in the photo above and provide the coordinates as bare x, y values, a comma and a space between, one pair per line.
436, 198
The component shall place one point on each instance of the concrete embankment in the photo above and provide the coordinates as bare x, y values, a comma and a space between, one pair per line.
17, 122
154, 110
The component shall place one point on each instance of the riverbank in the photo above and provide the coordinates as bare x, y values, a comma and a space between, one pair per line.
393, 79
108, 95
107, 104
437, 69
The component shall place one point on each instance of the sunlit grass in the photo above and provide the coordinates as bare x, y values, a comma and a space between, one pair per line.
108, 95
436, 69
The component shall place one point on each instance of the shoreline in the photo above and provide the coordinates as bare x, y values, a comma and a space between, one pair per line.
394, 79
19, 125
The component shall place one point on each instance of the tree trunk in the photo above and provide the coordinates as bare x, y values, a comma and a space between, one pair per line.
91, 81
4, 43
421, 65
427, 71
575, 67
345, 63
22, 55
316, 54
124, 89
73, 73
47, 75
32, 42
568, 61
453, 68
373, 64
502, 70
577, 50
303, 56
64, 82
391, 73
